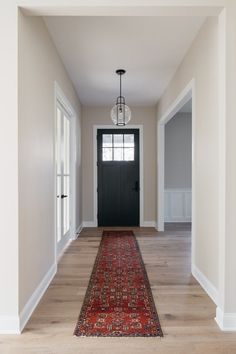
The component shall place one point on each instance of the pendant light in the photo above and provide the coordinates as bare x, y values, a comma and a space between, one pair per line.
120, 113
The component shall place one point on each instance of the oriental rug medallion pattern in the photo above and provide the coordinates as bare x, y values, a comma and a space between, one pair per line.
118, 301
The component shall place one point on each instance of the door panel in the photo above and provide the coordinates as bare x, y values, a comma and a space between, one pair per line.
63, 177
130, 199
109, 195
58, 169
66, 204
118, 177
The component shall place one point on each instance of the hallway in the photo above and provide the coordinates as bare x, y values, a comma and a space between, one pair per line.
186, 312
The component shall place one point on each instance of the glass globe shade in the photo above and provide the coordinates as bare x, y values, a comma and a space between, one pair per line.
120, 114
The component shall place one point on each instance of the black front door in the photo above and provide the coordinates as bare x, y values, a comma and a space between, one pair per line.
118, 177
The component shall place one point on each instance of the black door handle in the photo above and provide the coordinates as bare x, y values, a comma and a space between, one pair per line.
136, 186
64, 196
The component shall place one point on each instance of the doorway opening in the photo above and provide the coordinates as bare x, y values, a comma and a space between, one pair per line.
118, 177
187, 199
178, 170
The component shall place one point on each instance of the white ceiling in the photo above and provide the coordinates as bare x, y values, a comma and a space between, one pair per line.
149, 48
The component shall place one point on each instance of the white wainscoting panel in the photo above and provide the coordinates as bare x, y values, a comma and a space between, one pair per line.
178, 204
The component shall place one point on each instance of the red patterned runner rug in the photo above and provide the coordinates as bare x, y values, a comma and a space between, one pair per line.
118, 301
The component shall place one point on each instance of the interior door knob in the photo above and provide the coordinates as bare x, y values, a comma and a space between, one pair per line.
64, 196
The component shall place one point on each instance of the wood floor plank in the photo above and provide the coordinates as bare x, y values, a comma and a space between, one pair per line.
186, 312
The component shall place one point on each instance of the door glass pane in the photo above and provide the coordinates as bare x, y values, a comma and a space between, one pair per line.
118, 154
128, 140
129, 154
118, 147
66, 146
107, 140
58, 142
107, 154
66, 204
58, 208
118, 140
58, 170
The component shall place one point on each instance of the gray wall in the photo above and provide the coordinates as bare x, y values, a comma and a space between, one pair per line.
178, 151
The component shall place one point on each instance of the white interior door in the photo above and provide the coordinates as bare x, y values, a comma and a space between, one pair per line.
63, 158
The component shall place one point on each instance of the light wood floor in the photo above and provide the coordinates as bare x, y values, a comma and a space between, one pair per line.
186, 312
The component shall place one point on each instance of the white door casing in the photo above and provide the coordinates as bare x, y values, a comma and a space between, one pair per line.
67, 171
95, 205
187, 93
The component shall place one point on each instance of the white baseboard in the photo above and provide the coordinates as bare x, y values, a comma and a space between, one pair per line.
36, 297
148, 224
182, 221
16, 324
209, 288
62, 251
160, 225
94, 224
9, 325
78, 230
89, 224
226, 321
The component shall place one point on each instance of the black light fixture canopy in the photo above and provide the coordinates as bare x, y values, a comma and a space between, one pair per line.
120, 113
120, 72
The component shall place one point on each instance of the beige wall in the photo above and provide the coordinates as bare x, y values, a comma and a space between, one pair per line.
228, 166
39, 67
9, 168
101, 115
201, 63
